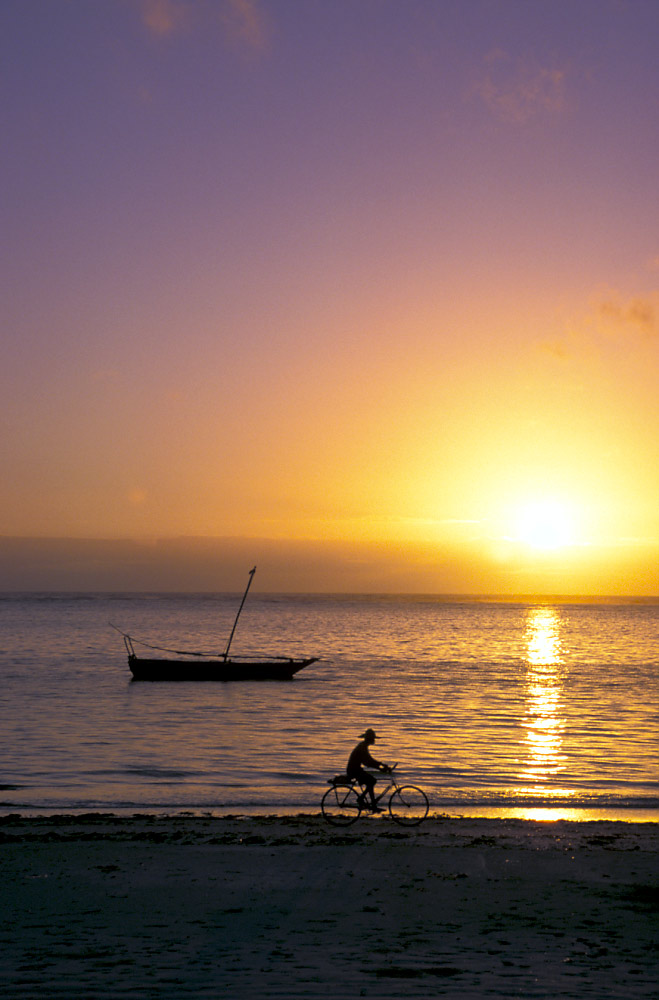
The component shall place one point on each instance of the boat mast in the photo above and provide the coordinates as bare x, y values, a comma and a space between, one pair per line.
249, 584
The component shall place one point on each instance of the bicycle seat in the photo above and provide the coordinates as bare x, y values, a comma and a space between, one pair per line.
340, 779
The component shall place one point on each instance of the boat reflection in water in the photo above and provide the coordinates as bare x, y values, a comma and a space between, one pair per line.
544, 720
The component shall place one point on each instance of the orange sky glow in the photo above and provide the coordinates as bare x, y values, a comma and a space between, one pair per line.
364, 292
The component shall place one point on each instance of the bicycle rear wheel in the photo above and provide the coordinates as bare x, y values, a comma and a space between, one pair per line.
340, 805
409, 805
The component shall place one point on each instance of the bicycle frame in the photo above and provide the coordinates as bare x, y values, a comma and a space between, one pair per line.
392, 785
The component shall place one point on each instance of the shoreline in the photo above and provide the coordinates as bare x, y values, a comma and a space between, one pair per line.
286, 906
544, 813
204, 825
436, 827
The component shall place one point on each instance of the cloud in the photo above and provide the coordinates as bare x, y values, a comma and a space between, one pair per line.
242, 22
138, 496
636, 315
518, 91
557, 349
609, 317
163, 17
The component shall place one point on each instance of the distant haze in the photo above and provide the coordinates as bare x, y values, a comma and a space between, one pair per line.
216, 564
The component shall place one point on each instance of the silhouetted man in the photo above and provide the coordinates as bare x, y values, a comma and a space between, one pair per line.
361, 758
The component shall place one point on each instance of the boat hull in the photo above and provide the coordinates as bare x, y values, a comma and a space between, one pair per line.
144, 669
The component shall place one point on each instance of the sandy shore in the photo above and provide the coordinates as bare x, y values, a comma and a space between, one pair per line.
169, 907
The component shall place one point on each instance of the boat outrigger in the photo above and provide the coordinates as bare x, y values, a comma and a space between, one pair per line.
190, 666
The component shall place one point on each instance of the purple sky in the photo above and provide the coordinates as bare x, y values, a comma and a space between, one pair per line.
359, 272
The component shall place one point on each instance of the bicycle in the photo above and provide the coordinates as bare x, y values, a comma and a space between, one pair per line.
342, 803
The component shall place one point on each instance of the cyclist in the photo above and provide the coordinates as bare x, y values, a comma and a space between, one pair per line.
360, 758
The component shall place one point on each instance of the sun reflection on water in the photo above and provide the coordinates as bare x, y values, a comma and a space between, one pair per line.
543, 720
543, 638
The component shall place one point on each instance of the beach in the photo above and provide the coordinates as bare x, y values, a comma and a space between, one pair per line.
104, 905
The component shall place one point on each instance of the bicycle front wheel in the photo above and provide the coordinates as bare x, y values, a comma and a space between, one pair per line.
409, 805
340, 805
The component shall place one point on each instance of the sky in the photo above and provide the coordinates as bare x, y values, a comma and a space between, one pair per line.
368, 288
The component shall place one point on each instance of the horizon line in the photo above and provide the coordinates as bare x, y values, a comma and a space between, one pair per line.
443, 596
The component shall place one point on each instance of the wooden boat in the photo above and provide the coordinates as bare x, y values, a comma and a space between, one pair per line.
218, 669
184, 665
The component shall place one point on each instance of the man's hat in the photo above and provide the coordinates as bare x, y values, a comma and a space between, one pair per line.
369, 734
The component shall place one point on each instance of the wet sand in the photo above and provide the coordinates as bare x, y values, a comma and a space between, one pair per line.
102, 906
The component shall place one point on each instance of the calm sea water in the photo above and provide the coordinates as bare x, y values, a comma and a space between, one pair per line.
493, 708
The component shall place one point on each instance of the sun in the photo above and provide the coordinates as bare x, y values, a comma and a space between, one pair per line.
545, 524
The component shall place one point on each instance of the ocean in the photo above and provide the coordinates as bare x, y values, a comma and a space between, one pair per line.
502, 709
